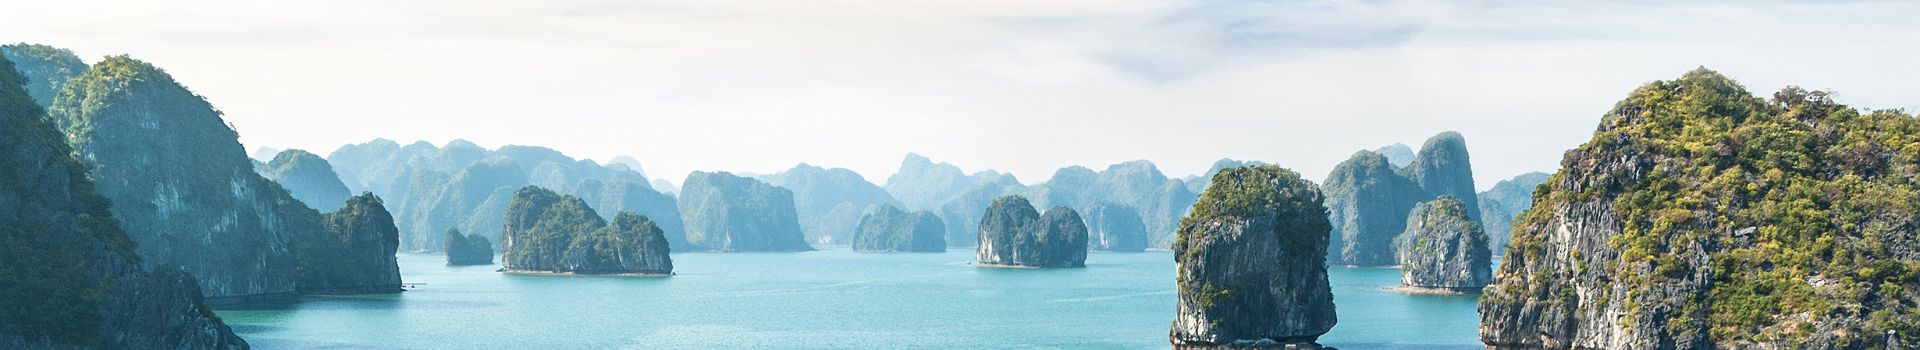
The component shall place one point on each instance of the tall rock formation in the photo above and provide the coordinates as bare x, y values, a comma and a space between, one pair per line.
962, 213
1444, 250
465, 249
885, 228
353, 254
181, 185
829, 201
1700, 216
1443, 168
1115, 228
1368, 204
546, 232
614, 196
1012, 234
45, 69
309, 178
724, 212
1198, 183
1251, 267
1159, 200
72, 278
1504, 202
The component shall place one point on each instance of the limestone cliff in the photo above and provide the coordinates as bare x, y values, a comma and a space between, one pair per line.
1443, 249
1115, 228
1012, 234
546, 232
1250, 262
724, 212
887, 229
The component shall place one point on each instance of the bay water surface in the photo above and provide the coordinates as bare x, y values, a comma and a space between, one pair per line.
828, 299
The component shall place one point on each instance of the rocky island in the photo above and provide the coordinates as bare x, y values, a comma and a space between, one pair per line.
1700, 216
728, 213
887, 229
80, 285
1369, 197
308, 178
353, 253
1443, 250
545, 232
464, 249
1251, 264
1115, 228
1013, 234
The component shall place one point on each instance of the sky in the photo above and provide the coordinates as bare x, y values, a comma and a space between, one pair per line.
1022, 86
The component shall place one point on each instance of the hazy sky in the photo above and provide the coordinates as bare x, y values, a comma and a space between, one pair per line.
1023, 86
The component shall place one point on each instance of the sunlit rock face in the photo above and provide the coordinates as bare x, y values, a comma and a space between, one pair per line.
73, 279
1250, 262
1013, 234
1443, 250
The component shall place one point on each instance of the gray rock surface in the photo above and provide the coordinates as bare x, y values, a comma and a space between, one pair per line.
1251, 266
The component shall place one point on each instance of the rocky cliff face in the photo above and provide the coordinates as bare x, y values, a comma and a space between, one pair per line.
546, 232
464, 249
1443, 249
727, 213
1504, 202
181, 185
1700, 216
1397, 154
1443, 168
1013, 234
829, 202
73, 278
354, 253
308, 178
1252, 271
962, 213
1199, 183
1160, 201
45, 69
1368, 204
615, 196
887, 229
437, 202
1115, 228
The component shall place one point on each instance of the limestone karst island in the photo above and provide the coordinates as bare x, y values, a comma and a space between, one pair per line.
859, 174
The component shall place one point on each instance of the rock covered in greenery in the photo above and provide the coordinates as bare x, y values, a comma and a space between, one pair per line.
1013, 234
885, 228
181, 184
1700, 216
726, 213
309, 178
1367, 202
1115, 228
829, 202
472, 200
45, 69
1159, 200
354, 253
1504, 202
72, 278
624, 195
1198, 183
1251, 272
1443, 249
1443, 168
465, 249
546, 232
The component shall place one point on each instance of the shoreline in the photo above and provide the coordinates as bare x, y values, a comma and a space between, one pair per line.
557, 273
1004, 266
1435, 290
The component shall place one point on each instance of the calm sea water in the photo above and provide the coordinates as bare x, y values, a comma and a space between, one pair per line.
833, 298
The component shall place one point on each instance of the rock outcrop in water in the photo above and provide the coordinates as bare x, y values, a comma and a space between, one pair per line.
45, 69
1012, 234
308, 178
544, 232
181, 185
1370, 198
829, 202
1504, 202
1252, 271
1700, 216
887, 229
465, 249
353, 254
730, 213
1443, 250
1115, 228
1368, 202
958, 198
72, 278
963, 213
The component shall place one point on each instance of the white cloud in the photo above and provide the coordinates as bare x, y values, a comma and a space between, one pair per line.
1016, 85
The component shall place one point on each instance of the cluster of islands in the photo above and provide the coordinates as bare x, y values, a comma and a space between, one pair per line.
1698, 216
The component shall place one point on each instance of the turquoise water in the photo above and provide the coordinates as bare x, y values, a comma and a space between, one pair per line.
833, 298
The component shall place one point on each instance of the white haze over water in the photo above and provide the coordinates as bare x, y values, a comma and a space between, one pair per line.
1020, 86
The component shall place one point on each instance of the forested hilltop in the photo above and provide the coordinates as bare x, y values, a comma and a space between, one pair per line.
1701, 216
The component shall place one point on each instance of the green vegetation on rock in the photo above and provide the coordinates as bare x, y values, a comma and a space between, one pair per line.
544, 231
308, 178
1250, 263
724, 212
884, 228
45, 68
